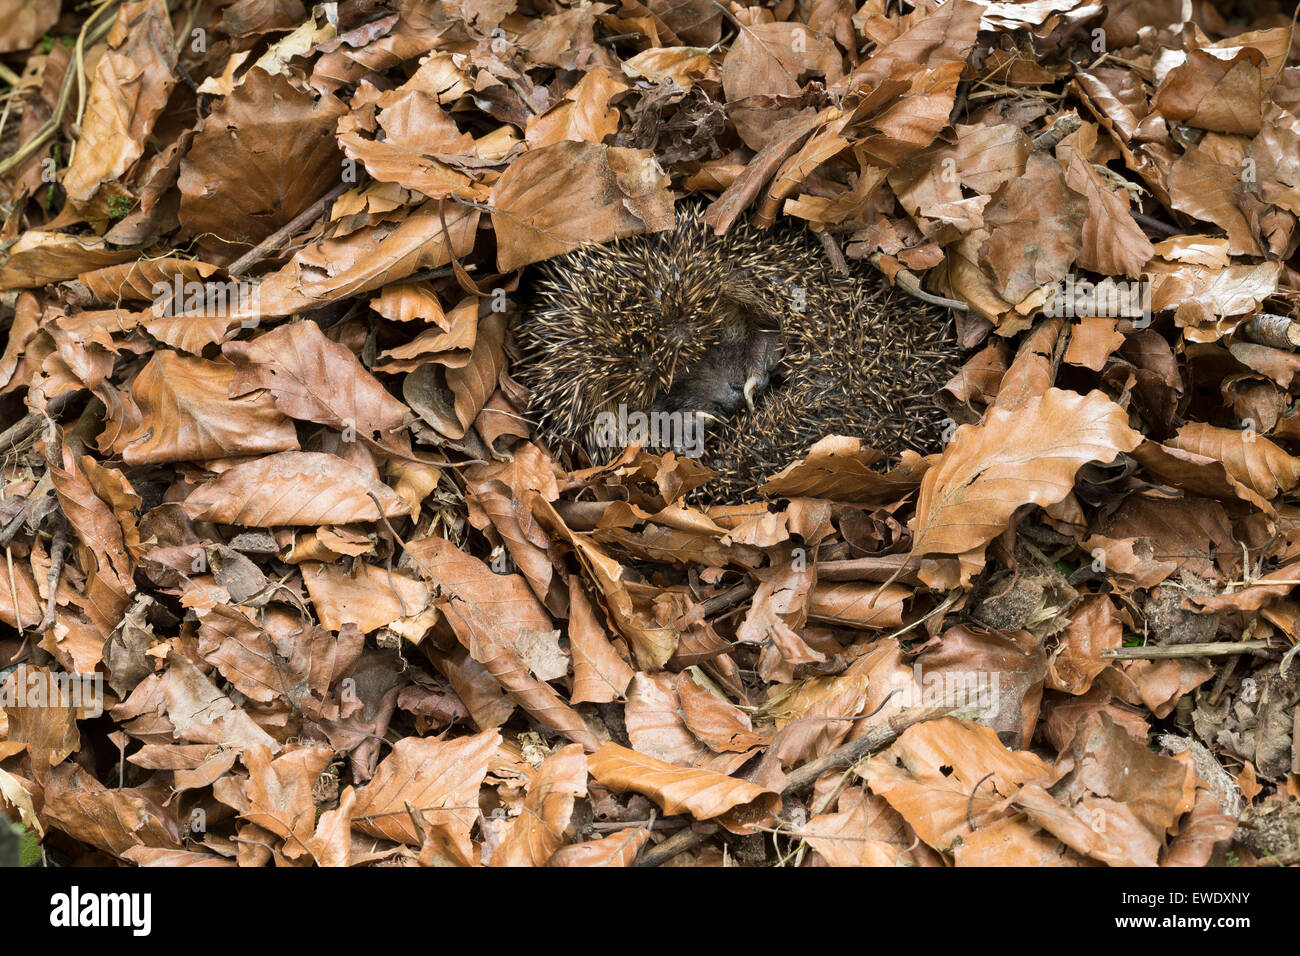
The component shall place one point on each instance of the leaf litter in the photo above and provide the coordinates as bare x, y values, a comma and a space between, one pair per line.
289, 576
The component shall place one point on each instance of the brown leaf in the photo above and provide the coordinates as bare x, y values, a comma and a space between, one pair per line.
869, 833
543, 824
128, 91
25, 22
1203, 183
552, 200
930, 773
438, 779
366, 595
583, 115
40, 718
656, 728
313, 379
265, 153
1019, 457
187, 414
1077, 660
331, 844
652, 645
599, 673
491, 614
293, 488
1206, 829
114, 820
280, 793
1036, 222
1208, 92
772, 57
1254, 461
202, 714
736, 804
1113, 243
616, 849
450, 399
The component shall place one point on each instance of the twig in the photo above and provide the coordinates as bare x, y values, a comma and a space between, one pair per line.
1062, 128
287, 231
833, 252
58, 549
728, 598
678, 843
1151, 222
1222, 681
18, 432
1210, 649
875, 739
970, 804
1277, 331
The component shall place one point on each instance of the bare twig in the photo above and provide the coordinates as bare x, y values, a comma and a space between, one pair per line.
678, 843
1277, 331
58, 550
1063, 127
970, 804
286, 232
833, 252
1154, 224
1210, 649
875, 739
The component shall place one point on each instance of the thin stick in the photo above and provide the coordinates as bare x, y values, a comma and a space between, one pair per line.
1154, 224
877, 738
1211, 649
58, 550
287, 231
833, 252
678, 843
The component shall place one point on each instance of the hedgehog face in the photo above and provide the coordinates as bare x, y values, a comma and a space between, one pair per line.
630, 323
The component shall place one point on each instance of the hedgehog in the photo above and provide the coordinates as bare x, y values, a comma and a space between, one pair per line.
742, 349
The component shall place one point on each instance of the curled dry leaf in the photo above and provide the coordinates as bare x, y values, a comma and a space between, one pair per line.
450, 399
187, 414
738, 805
599, 673
313, 379
1256, 462
1026, 456
554, 199
544, 824
435, 781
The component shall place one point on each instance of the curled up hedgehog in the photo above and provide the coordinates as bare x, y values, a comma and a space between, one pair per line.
742, 350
